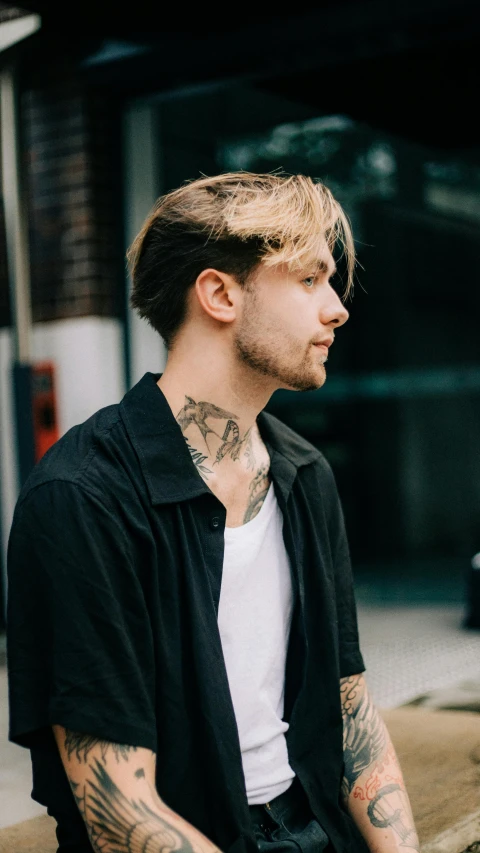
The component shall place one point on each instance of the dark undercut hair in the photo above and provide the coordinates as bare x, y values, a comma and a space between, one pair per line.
232, 223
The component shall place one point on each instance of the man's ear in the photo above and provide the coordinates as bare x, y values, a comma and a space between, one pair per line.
217, 293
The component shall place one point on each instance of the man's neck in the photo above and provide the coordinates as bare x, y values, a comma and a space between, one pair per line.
223, 442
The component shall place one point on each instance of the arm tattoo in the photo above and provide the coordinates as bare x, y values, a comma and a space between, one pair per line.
391, 808
116, 824
79, 795
80, 798
81, 744
365, 746
364, 735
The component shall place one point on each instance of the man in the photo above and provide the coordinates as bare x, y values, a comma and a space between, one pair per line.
182, 637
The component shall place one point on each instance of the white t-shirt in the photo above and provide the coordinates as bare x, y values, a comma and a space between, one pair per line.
254, 619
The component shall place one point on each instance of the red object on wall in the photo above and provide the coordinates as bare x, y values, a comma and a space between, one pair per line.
44, 403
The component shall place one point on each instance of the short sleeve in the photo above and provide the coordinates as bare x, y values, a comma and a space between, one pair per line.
79, 643
350, 657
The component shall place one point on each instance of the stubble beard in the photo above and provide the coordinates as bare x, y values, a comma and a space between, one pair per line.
283, 365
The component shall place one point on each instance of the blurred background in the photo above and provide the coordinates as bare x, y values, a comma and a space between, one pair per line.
104, 108
112, 108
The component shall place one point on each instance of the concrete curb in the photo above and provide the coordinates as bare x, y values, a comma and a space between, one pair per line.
457, 838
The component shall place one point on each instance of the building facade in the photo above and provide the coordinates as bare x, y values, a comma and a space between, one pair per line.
109, 120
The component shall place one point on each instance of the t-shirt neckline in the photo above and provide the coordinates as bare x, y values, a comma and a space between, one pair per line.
258, 519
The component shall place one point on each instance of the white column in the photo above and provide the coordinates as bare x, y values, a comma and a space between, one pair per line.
8, 452
141, 176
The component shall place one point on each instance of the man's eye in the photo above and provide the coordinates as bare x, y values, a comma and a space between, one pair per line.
311, 279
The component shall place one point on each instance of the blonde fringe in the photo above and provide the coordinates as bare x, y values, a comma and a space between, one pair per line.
294, 217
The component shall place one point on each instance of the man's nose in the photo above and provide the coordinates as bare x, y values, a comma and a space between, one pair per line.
334, 312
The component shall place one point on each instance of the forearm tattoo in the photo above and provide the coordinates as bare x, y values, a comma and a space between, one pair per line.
390, 809
116, 823
366, 747
120, 825
80, 745
364, 738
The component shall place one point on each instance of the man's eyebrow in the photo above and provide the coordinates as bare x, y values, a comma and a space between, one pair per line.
322, 266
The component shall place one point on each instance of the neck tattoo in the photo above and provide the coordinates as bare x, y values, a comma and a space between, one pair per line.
228, 441
193, 416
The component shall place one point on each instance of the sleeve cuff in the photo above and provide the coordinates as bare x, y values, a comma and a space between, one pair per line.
351, 664
88, 722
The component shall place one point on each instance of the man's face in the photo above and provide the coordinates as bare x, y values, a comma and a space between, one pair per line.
285, 315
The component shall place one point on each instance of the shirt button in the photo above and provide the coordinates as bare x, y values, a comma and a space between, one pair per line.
215, 522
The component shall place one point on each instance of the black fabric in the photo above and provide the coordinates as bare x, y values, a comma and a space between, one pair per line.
114, 572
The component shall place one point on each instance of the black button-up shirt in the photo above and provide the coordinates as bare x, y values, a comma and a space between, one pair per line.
115, 567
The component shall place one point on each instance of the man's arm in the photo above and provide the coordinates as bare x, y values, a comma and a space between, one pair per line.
114, 788
373, 788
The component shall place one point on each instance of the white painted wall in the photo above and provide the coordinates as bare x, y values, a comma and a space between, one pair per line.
88, 353
88, 357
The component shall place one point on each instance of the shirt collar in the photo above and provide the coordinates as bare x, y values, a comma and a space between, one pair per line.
164, 457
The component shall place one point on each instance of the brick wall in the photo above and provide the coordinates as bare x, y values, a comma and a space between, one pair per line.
71, 152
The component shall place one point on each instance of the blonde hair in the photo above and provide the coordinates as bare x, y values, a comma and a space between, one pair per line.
232, 221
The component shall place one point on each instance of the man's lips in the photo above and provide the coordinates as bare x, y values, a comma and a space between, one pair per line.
324, 345
327, 342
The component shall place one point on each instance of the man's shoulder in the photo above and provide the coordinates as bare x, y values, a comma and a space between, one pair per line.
83, 456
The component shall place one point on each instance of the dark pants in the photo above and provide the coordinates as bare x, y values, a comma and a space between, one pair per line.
287, 825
